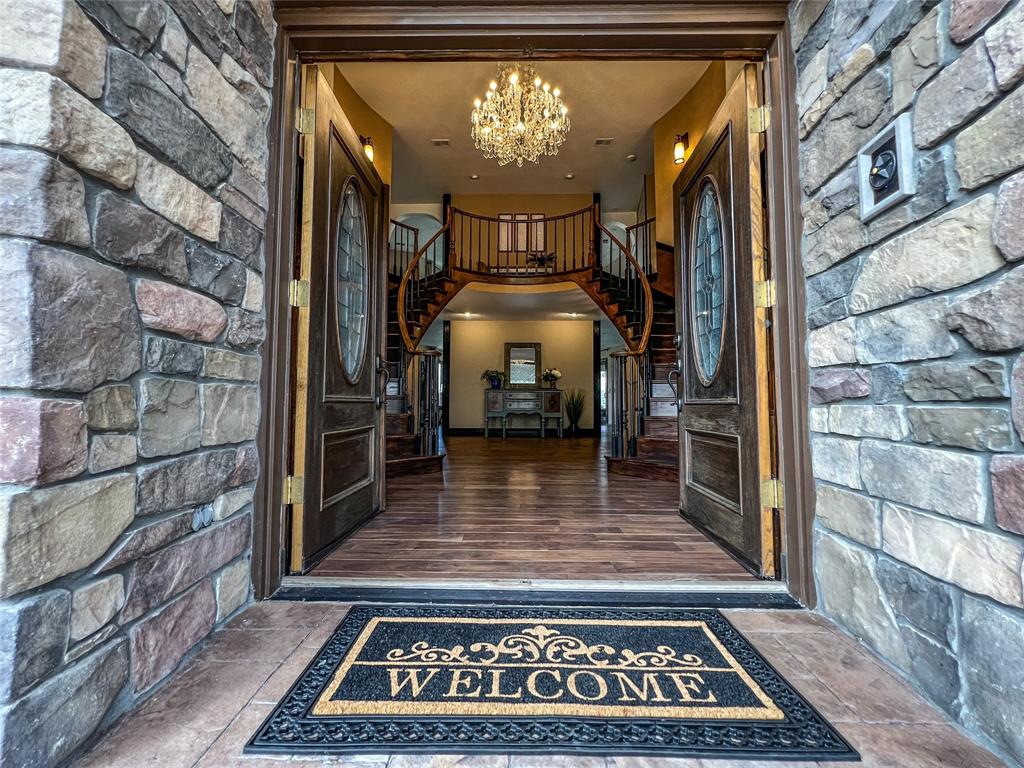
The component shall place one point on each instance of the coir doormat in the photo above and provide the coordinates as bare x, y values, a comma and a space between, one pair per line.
562, 681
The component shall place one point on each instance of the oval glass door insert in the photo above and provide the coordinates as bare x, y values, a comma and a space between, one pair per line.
352, 280
707, 284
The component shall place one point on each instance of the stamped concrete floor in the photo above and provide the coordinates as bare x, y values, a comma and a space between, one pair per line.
207, 712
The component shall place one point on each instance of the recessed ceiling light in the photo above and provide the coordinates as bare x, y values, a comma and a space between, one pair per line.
570, 175
631, 157
474, 176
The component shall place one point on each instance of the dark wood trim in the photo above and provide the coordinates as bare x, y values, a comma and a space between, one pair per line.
596, 394
269, 545
446, 373
789, 331
379, 30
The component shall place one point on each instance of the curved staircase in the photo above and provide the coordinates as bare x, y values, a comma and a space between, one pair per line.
646, 425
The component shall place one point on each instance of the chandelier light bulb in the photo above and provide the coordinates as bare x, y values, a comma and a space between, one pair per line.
515, 124
476, 103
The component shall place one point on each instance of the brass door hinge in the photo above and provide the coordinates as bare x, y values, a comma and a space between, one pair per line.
305, 121
758, 119
764, 293
294, 486
298, 293
771, 493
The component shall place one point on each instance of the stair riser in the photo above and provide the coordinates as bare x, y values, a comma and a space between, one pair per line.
401, 446
396, 423
648, 471
661, 389
421, 465
657, 449
661, 428
662, 408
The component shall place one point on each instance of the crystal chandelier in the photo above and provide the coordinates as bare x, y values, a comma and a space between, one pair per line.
520, 118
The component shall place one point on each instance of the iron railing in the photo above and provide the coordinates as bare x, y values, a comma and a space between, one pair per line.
403, 244
628, 386
641, 240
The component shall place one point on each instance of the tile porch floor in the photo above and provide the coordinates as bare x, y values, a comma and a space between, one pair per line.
207, 712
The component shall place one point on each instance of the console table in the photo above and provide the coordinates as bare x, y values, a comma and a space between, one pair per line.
502, 403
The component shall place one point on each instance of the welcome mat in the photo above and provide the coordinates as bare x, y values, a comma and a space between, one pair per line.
566, 681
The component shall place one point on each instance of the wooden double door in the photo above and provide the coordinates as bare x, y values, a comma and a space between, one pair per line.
724, 295
338, 377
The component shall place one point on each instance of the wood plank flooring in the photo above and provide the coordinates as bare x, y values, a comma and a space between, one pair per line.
527, 508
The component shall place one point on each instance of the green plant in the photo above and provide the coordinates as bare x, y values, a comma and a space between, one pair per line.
490, 373
575, 399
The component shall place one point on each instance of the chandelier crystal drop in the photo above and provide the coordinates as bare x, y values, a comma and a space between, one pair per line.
520, 118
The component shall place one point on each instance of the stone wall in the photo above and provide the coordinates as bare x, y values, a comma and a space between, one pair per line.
133, 160
916, 322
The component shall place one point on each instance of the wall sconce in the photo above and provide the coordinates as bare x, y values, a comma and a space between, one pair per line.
679, 148
367, 147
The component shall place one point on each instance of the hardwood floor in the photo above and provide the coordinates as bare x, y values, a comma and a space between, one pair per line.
526, 508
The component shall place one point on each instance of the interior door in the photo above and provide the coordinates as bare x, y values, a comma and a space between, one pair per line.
725, 441
338, 443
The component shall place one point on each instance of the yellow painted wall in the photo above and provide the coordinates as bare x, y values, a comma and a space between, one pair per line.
477, 345
691, 115
363, 119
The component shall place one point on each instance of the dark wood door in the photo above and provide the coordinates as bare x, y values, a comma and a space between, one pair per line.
724, 450
339, 427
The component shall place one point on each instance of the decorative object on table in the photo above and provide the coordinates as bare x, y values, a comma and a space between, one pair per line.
575, 400
551, 376
520, 118
494, 377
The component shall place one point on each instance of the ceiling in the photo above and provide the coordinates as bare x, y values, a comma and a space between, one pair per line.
620, 100
563, 301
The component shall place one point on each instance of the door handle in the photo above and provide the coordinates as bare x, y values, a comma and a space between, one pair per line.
382, 389
675, 373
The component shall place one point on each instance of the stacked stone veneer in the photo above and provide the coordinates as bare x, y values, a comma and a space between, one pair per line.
133, 159
916, 322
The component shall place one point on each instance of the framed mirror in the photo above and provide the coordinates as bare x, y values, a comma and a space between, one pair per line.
522, 365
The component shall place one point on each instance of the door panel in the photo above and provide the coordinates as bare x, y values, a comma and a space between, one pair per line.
339, 430
722, 354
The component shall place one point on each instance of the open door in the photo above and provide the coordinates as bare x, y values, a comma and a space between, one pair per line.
726, 450
338, 428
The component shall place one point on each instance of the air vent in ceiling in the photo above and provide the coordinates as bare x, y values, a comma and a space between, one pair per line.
441, 142
603, 142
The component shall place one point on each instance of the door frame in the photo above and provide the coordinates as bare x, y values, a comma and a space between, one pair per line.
382, 30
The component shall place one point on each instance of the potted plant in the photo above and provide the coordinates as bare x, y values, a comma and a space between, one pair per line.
496, 378
551, 376
575, 400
